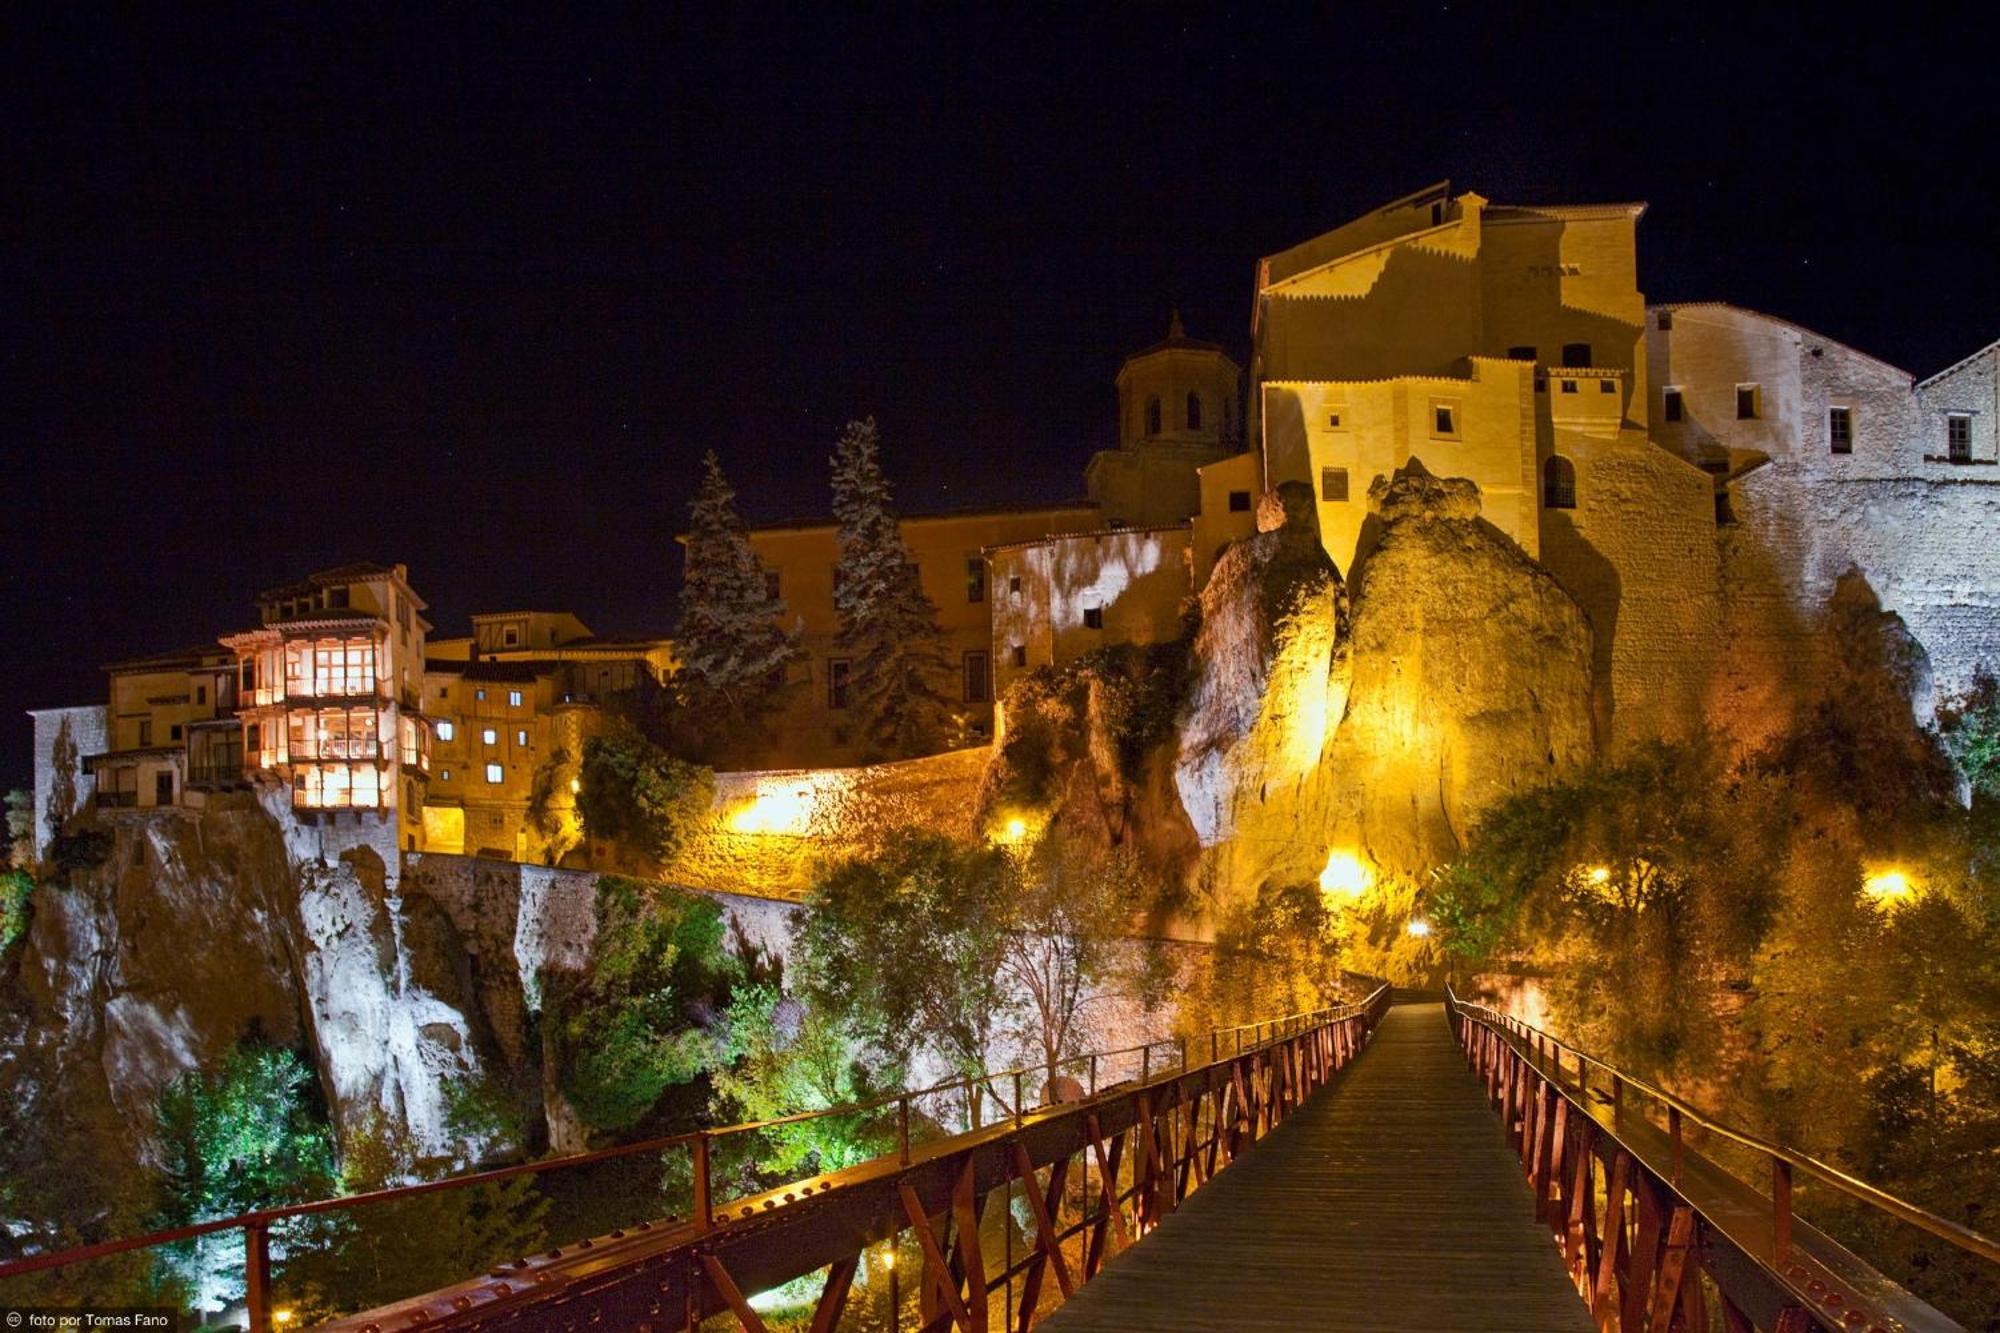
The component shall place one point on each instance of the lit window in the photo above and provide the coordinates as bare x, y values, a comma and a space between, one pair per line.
521, 738
978, 678
480, 694
1958, 437
513, 698
1670, 405
1559, 483
1194, 411
444, 775
445, 728
1333, 483
839, 676
490, 736
975, 579
1746, 402
1840, 430
1093, 617
495, 773
1239, 502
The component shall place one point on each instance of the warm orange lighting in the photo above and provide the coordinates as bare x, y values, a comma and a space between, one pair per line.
1600, 874
282, 1316
889, 1260
1888, 887
1419, 927
575, 786
1346, 875
780, 811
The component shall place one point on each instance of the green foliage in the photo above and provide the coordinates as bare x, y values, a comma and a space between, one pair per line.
480, 1113
907, 946
1969, 726
638, 1023
17, 892
638, 796
20, 847
901, 672
345, 1262
1279, 954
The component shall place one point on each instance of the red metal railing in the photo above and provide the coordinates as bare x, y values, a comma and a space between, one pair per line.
1643, 1218
1267, 1067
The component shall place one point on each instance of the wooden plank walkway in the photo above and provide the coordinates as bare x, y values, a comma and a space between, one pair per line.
1389, 1202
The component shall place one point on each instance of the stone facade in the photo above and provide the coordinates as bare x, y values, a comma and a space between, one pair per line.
90, 728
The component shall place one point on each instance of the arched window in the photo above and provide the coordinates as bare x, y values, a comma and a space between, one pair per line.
1194, 411
1153, 415
1559, 483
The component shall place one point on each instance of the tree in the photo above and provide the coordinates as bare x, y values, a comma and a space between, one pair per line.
638, 796
640, 1021
62, 779
1069, 918
1969, 725
20, 828
732, 643
889, 628
909, 947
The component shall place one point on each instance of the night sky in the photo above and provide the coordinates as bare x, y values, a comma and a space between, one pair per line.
474, 293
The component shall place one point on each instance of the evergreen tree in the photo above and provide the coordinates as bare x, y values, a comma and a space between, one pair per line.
887, 625
733, 644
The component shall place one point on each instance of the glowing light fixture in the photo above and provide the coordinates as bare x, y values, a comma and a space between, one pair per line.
1346, 875
1599, 874
1419, 927
575, 786
282, 1316
889, 1260
780, 811
1888, 886
1017, 829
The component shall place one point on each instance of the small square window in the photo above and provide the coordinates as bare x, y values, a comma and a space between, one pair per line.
512, 636
1569, 386
1239, 502
1093, 617
495, 773
444, 775
1958, 437
1746, 402
1840, 430
1665, 320
1018, 654
1333, 483
444, 728
1333, 419
1607, 386
490, 736
513, 698
1670, 405
480, 693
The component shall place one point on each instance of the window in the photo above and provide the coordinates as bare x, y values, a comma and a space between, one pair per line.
1437, 214
163, 788
444, 691
839, 671
771, 585
145, 732
1569, 386
445, 728
1239, 502
495, 773
1018, 654
1840, 430
253, 738
337, 597
444, 775
1093, 617
1607, 386
1153, 415
1576, 355
250, 675
521, 737
1333, 419
1958, 437
978, 678
1194, 411
1014, 585
201, 694
480, 694
1521, 354
511, 636
975, 579
1333, 483
513, 698
490, 736
174, 732
1746, 402
1444, 419
1559, 483
1665, 320
1670, 405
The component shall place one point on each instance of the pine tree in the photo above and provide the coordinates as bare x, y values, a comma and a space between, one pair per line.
887, 625
733, 643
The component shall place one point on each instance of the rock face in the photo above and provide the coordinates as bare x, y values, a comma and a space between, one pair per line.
1471, 677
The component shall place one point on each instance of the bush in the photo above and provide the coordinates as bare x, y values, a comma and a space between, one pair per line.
637, 795
17, 891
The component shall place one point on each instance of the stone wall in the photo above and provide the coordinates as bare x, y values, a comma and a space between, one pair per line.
1136, 579
89, 728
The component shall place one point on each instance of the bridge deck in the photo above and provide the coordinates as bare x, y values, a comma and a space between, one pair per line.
1389, 1202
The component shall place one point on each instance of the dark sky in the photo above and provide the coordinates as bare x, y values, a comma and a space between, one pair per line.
431, 284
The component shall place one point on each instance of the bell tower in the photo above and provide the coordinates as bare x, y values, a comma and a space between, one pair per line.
1179, 407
